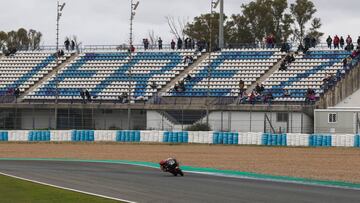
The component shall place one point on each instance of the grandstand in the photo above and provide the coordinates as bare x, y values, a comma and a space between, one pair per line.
150, 76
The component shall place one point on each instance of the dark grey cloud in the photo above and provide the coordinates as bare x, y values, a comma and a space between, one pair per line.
107, 21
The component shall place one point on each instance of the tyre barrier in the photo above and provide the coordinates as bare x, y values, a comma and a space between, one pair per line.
320, 141
4, 136
151, 136
201, 137
128, 136
176, 137
39, 136
357, 141
82, 136
226, 138
274, 139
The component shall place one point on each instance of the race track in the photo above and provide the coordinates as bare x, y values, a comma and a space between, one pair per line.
140, 184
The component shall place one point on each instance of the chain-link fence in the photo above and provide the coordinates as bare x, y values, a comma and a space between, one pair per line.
36, 118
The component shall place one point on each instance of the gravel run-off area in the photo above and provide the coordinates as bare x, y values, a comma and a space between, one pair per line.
338, 164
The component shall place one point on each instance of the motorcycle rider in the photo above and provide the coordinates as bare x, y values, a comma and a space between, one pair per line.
169, 165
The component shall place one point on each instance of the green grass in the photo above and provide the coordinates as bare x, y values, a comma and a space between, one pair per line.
18, 191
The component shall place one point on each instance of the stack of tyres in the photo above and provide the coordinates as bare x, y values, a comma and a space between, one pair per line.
274, 139
320, 140
357, 141
176, 137
226, 138
128, 136
4, 136
83, 136
39, 136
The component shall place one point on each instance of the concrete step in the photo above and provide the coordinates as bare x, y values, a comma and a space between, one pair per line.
48, 76
184, 73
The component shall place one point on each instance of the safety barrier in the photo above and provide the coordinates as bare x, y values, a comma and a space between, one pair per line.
4, 136
297, 140
61, 135
357, 141
151, 136
201, 137
226, 138
346, 140
82, 136
320, 141
128, 136
105, 136
39, 136
176, 137
274, 139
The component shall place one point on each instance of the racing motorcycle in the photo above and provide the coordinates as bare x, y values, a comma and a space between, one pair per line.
172, 166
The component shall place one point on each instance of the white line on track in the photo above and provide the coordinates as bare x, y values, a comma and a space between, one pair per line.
65, 188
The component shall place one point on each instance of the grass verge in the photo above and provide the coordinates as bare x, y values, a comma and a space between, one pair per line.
19, 191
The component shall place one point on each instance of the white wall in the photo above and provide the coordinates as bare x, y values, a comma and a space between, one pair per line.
40, 119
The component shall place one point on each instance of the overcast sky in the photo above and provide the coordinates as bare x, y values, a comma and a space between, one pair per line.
107, 21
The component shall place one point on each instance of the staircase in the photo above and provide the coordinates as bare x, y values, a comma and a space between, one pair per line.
266, 75
48, 76
184, 73
342, 90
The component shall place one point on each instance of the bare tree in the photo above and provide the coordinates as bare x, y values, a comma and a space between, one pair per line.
177, 26
153, 38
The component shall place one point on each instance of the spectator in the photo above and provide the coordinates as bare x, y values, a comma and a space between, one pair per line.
67, 44
252, 98
189, 43
307, 42
258, 88
262, 89
188, 77
283, 66
132, 49
345, 63
348, 40
286, 93
82, 95
301, 48
336, 42
172, 44
338, 75
342, 42
285, 47
153, 85
179, 43
17, 92
88, 96
310, 96
268, 98
160, 43
72, 45
146, 44
349, 47
358, 41
313, 42
329, 42
241, 88
270, 41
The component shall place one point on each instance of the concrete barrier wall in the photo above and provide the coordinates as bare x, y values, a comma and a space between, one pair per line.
178, 137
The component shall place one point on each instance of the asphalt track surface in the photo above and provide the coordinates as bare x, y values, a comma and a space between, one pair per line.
141, 184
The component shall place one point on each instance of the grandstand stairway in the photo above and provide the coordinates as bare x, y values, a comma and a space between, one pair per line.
183, 74
183, 117
49, 75
266, 75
